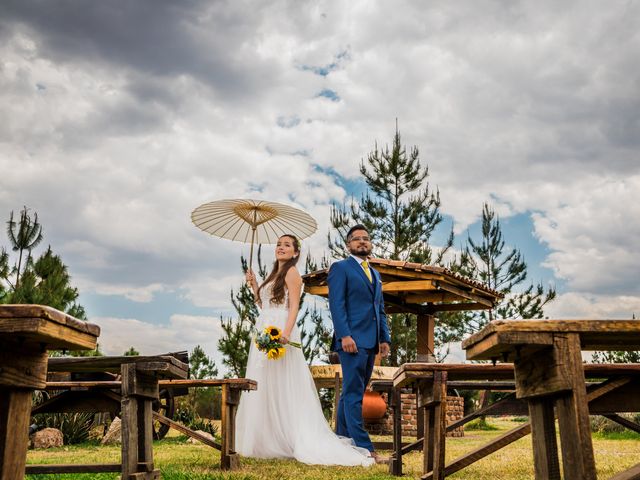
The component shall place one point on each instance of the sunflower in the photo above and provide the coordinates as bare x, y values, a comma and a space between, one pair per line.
273, 332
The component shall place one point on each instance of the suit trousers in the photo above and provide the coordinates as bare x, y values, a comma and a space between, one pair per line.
356, 373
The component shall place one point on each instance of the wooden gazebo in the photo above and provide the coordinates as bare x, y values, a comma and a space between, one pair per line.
423, 290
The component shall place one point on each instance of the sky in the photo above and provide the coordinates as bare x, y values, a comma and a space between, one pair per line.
118, 118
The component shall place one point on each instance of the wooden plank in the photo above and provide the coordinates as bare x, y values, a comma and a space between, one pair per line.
395, 465
614, 417
145, 433
15, 409
228, 457
455, 307
129, 408
57, 468
15, 311
425, 340
573, 413
440, 424
594, 334
241, 383
502, 345
632, 474
73, 401
51, 335
320, 290
21, 367
408, 286
187, 431
108, 363
542, 374
465, 294
545, 448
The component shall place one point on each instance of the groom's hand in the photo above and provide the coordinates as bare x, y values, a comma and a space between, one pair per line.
384, 349
349, 345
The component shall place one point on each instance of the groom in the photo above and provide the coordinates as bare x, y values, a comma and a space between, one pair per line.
360, 331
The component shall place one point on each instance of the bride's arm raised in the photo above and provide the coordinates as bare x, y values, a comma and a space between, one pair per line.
253, 283
293, 280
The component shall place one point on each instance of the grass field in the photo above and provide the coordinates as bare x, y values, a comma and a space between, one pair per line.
179, 460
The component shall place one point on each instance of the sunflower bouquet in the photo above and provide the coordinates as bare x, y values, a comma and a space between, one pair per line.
268, 341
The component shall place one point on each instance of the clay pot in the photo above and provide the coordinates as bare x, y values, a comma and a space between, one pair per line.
373, 406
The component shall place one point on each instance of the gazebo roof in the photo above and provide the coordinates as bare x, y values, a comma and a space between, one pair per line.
417, 288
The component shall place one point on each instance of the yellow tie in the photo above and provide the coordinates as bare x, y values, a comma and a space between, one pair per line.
367, 272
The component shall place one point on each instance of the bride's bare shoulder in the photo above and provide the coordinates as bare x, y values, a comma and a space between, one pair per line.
293, 275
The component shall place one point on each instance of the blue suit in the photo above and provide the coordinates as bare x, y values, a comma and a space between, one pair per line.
357, 310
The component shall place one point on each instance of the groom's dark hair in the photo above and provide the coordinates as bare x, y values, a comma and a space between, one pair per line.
354, 228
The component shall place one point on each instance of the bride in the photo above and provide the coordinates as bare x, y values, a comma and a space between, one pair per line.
283, 417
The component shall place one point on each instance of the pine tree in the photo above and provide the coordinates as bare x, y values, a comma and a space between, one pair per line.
43, 281
132, 352
234, 344
617, 356
24, 235
401, 213
488, 260
200, 365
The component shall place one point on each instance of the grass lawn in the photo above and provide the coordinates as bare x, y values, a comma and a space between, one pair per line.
179, 460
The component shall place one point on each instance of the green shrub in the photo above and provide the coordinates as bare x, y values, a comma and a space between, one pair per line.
480, 424
192, 420
75, 427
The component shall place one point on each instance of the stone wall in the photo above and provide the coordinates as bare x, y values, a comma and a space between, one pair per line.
384, 426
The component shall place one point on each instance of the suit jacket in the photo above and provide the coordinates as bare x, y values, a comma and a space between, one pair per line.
357, 305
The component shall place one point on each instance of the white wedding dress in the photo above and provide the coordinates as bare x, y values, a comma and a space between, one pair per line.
283, 417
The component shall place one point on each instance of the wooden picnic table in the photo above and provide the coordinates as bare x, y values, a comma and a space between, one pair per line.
27, 333
139, 388
105, 395
549, 372
431, 381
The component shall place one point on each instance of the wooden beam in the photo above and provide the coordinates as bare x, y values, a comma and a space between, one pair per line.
465, 294
187, 431
455, 307
408, 286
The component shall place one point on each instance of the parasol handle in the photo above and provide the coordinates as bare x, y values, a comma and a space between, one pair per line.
253, 234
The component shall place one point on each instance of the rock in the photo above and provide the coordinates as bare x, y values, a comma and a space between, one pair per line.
113, 435
203, 433
47, 438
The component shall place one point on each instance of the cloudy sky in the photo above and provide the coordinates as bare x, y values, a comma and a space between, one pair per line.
120, 117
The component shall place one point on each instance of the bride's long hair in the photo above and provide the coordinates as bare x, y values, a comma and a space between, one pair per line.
277, 274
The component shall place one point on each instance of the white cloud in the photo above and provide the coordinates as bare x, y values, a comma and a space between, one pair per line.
183, 332
119, 120
574, 305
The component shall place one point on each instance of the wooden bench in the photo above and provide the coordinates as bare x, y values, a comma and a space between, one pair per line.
27, 333
550, 376
431, 381
138, 389
105, 395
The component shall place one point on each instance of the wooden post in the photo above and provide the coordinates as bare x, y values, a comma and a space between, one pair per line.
573, 413
440, 423
129, 411
230, 399
15, 412
545, 447
138, 392
23, 368
425, 341
395, 396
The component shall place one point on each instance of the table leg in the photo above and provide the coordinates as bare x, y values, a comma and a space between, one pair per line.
573, 413
15, 412
395, 397
440, 423
230, 399
543, 435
